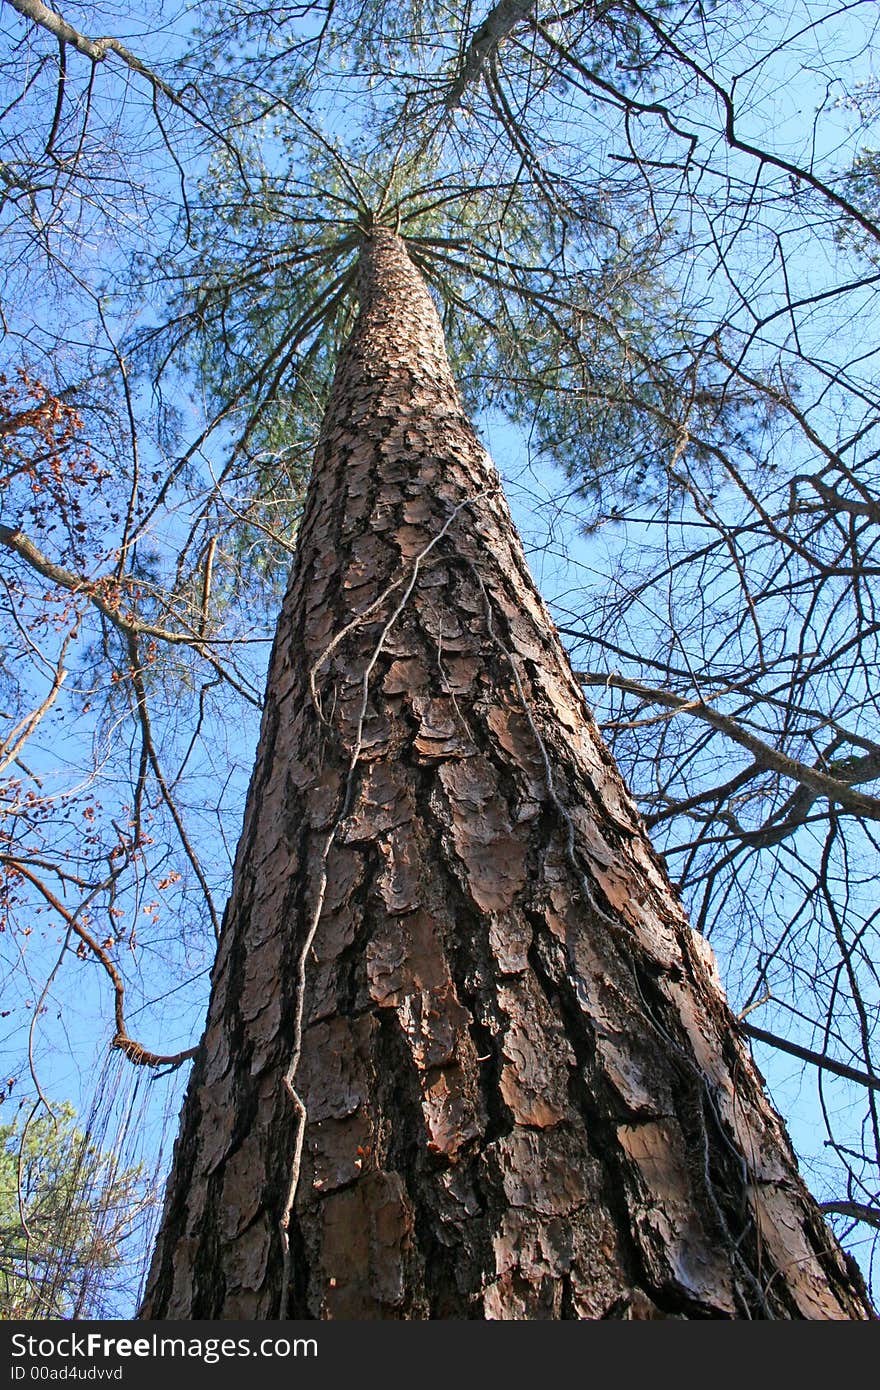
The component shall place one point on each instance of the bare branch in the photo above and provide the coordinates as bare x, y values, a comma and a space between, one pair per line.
806, 1054
92, 590
95, 49
858, 803
859, 1211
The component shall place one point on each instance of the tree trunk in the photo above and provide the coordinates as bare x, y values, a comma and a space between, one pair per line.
451, 961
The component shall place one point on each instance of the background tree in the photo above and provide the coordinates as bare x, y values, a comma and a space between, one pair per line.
67, 1208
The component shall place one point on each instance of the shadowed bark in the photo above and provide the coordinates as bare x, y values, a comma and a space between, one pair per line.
451, 962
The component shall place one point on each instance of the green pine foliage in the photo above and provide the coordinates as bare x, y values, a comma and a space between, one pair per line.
66, 1210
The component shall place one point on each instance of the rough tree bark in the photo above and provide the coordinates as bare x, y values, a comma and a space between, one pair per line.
523, 1091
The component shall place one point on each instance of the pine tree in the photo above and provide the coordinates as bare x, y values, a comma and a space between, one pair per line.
67, 1208
464, 1056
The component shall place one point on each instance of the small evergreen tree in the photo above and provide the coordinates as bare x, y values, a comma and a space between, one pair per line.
66, 1208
